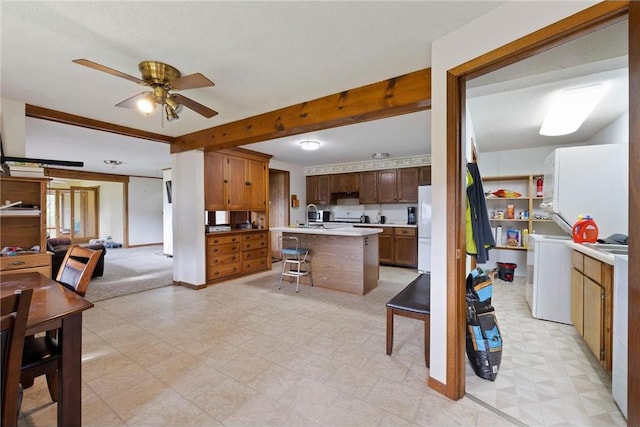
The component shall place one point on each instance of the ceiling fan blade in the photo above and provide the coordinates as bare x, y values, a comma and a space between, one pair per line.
131, 102
192, 81
108, 70
193, 105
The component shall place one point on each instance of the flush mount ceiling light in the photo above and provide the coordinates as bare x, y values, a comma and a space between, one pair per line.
570, 108
309, 145
378, 156
113, 163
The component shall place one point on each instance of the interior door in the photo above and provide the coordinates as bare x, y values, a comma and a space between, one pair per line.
84, 214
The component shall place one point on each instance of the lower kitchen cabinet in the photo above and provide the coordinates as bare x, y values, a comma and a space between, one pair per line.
406, 247
232, 254
398, 246
592, 304
386, 247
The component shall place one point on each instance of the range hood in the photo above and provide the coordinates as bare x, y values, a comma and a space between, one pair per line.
346, 195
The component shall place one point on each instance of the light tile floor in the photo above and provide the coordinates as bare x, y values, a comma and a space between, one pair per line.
243, 353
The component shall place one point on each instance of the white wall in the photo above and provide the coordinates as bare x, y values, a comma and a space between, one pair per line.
188, 217
13, 126
514, 19
616, 133
145, 210
111, 210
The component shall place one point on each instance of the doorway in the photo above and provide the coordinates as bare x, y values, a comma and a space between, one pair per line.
278, 206
73, 213
570, 28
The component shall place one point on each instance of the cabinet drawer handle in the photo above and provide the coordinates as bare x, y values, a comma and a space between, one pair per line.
215, 241
16, 263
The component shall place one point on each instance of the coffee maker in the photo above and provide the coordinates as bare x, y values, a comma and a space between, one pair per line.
411, 215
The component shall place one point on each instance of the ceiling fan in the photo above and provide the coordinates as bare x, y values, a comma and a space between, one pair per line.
162, 79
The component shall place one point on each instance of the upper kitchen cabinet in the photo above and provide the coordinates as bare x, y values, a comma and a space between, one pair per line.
424, 175
408, 185
368, 187
344, 183
235, 180
387, 186
319, 189
398, 185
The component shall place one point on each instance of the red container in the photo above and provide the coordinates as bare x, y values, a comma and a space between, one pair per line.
585, 231
506, 270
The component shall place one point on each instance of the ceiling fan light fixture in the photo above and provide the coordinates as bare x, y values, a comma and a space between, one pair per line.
309, 145
171, 113
570, 108
147, 104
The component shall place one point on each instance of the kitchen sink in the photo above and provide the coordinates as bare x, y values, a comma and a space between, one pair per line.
609, 248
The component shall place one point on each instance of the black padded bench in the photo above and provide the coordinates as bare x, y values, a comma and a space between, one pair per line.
413, 301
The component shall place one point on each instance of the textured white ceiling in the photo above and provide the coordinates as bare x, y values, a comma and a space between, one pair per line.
262, 56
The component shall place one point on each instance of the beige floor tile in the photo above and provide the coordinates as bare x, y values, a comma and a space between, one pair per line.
261, 410
349, 411
394, 397
243, 353
221, 398
274, 381
310, 398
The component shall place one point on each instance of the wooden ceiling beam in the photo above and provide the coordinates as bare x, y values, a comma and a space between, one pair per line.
71, 119
399, 95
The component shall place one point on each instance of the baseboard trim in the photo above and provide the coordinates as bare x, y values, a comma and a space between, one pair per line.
189, 285
144, 244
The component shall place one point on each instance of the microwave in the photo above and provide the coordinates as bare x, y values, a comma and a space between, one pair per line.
316, 216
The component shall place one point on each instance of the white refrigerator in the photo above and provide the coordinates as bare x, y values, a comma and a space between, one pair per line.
424, 228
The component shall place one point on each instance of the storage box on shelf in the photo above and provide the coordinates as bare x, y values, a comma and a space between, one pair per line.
516, 213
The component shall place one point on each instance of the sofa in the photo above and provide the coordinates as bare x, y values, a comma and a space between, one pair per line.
59, 246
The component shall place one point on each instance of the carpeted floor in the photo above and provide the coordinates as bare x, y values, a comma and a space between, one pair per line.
131, 270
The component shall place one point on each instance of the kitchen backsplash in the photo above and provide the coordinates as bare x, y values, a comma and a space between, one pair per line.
394, 213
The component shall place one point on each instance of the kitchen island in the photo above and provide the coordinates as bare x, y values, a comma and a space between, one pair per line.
343, 259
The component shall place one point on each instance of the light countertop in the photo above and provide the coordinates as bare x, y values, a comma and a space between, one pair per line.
594, 252
342, 231
385, 225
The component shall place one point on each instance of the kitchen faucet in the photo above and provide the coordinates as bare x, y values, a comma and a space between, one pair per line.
306, 219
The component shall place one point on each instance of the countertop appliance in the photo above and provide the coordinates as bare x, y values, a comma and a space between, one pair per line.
411, 214
548, 286
315, 216
424, 228
589, 180
620, 363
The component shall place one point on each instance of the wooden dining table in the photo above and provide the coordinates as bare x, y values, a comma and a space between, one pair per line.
55, 307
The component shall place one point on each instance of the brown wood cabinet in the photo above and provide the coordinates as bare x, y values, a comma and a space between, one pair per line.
592, 304
344, 183
368, 187
398, 246
405, 247
238, 253
22, 229
407, 182
386, 254
235, 181
424, 175
319, 189
387, 186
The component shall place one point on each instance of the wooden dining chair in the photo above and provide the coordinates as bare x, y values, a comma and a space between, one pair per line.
77, 268
41, 355
14, 312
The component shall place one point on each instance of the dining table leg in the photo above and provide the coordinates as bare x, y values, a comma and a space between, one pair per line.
70, 375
